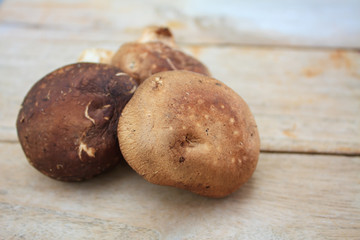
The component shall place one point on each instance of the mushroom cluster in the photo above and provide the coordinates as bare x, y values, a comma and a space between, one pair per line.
149, 103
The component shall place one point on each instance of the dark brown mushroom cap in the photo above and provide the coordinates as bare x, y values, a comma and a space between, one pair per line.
141, 60
190, 131
68, 120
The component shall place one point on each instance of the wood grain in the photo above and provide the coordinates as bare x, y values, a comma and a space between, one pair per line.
289, 197
303, 100
281, 23
297, 64
28, 223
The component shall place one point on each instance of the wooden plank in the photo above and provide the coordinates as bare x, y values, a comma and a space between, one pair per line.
289, 197
302, 23
20, 222
303, 100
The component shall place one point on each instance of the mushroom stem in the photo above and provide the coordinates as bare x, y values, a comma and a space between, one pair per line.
158, 34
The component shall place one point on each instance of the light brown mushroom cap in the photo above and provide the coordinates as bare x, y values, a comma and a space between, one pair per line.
154, 52
190, 131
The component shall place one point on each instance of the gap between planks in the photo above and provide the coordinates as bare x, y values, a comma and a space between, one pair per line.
311, 153
263, 151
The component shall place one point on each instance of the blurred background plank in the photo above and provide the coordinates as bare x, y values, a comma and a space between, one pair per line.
311, 23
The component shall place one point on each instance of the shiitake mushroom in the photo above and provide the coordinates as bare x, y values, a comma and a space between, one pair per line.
68, 120
154, 52
189, 131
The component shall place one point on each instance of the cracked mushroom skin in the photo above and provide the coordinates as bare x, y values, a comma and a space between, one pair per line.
152, 53
189, 131
68, 120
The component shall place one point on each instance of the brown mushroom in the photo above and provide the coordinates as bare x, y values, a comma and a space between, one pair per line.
68, 120
154, 52
190, 131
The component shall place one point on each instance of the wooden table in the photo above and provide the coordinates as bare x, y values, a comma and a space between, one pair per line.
296, 64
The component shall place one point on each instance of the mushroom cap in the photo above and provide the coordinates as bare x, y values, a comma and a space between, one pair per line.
155, 51
68, 120
141, 60
190, 131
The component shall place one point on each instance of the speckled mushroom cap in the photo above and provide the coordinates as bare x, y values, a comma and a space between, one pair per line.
154, 52
68, 120
190, 131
